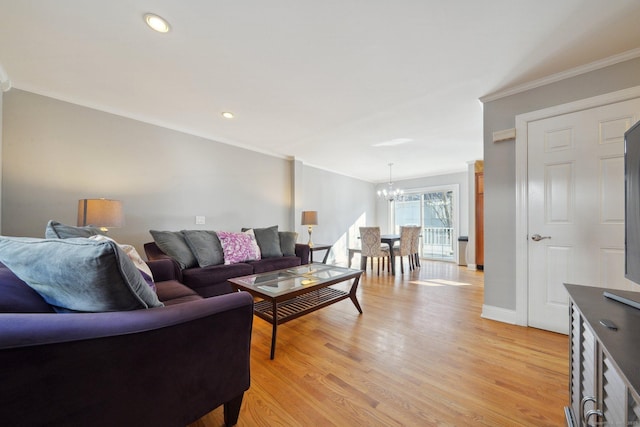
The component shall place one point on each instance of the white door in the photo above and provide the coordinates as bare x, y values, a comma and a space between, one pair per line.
576, 207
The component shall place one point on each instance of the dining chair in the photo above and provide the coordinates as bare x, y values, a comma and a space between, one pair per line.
408, 246
372, 247
415, 245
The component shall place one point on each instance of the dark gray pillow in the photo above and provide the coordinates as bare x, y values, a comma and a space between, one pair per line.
78, 274
173, 244
205, 245
56, 230
268, 241
288, 241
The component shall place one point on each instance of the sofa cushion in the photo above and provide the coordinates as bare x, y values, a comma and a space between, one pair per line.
288, 241
172, 292
237, 247
78, 274
268, 241
17, 297
174, 244
56, 230
271, 264
197, 278
205, 246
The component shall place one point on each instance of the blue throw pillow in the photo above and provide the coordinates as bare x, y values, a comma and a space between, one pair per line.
78, 274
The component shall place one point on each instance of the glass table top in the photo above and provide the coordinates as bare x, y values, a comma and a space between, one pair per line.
283, 281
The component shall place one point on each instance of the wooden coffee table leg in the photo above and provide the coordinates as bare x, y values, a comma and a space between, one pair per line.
274, 329
352, 293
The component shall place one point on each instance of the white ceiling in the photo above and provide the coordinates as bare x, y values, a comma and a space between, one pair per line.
321, 81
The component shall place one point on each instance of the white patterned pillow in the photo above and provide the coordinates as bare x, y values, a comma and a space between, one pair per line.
238, 247
254, 242
131, 253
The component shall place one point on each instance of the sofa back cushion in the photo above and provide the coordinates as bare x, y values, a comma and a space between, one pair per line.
56, 230
17, 297
78, 274
174, 244
268, 241
288, 241
205, 246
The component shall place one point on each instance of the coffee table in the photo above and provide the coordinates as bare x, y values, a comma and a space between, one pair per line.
293, 292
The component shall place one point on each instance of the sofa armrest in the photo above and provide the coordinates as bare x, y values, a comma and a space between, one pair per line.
126, 368
302, 251
154, 253
162, 270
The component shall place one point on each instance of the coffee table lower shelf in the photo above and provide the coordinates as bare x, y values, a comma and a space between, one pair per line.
304, 290
300, 305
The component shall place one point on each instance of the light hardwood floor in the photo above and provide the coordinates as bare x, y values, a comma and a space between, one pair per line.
420, 355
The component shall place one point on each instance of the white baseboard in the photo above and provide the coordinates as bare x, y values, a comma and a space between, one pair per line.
500, 314
472, 267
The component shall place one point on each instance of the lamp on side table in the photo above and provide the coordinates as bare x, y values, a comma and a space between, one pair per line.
309, 218
102, 213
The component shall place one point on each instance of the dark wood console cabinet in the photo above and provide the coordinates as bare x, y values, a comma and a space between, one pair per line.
604, 377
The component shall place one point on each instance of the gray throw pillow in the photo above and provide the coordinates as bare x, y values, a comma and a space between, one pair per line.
173, 244
78, 274
56, 230
268, 241
205, 245
288, 241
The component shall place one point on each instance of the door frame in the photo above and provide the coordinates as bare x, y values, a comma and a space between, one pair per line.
522, 196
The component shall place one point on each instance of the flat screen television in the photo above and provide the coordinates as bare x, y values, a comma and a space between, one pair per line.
632, 203
631, 216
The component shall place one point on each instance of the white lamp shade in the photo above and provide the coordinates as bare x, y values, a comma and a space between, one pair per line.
103, 213
309, 218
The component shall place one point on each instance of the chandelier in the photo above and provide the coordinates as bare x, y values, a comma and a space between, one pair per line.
390, 193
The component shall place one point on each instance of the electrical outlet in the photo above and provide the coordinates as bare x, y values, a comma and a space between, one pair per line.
199, 220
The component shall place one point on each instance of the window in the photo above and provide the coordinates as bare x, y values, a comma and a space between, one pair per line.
436, 211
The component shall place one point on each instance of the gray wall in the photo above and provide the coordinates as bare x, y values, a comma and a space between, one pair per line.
499, 167
343, 205
55, 153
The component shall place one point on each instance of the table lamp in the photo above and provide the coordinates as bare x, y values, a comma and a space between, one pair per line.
101, 213
309, 218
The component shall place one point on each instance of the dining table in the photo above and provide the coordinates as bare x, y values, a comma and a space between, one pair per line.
389, 239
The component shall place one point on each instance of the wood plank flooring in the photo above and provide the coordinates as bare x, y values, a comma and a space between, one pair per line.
420, 355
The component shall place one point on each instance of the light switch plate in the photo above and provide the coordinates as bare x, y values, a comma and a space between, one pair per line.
200, 220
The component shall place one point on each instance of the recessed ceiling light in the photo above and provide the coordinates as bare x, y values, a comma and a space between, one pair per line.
157, 23
227, 115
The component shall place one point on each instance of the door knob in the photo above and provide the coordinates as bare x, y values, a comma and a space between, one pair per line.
537, 237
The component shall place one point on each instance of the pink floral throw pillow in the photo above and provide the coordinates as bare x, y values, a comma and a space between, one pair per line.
237, 247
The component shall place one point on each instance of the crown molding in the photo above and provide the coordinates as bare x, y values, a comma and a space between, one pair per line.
573, 72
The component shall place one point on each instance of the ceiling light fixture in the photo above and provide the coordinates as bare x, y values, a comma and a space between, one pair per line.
227, 115
390, 194
157, 23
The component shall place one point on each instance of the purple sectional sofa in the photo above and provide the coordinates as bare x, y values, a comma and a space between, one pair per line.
211, 280
164, 366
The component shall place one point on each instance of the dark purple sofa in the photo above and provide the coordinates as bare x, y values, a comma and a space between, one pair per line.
212, 280
165, 366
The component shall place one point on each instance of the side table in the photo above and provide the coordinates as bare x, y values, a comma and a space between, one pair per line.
319, 247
